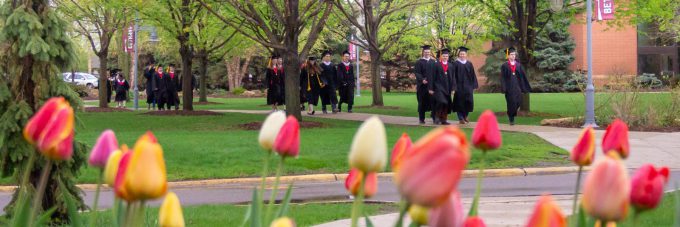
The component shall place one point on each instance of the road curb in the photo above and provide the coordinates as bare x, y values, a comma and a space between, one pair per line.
338, 177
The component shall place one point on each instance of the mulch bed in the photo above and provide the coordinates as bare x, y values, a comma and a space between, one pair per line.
207, 103
183, 113
528, 114
257, 125
105, 110
378, 107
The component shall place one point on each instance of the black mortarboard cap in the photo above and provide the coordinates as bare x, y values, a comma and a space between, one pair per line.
345, 52
426, 47
512, 50
445, 51
274, 56
326, 52
311, 58
171, 65
463, 49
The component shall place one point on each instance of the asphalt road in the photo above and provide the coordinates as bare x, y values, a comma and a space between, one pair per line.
561, 184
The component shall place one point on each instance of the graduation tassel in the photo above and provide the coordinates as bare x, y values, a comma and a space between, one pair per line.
309, 85
506, 54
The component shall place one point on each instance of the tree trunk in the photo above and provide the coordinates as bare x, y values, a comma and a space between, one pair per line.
292, 81
203, 72
375, 77
103, 78
526, 103
187, 91
388, 80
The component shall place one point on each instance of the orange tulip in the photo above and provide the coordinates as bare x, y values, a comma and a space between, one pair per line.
487, 135
431, 169
170, 213
353, 182
583, 153
146, 175
547, 214
448, 214
616, 139
400, 148
606, 191
287, 142
647, 186
51, 129
475, 221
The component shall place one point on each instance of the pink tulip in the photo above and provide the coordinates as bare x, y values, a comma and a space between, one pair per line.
287, 142
616, 139
448, 214
353, 183
606, 192
547, 214
106, 144
475, 221
432, 167
487, 135
51, 129
647, 187
400, 148
583, 153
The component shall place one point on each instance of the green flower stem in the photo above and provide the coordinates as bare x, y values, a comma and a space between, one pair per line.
475, 202
140, 214
265, 171
37, 200
96, 198
358, 201
274, 192
402, 212
574, 211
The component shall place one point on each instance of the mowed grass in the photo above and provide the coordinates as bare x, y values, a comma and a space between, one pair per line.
209, 147
545, 105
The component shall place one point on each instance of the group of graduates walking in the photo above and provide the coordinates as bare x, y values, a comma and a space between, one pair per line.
116, 82
439, 80
323, 81
162, 87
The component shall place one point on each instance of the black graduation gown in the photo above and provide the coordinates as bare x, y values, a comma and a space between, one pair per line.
160, 88
424, 70
345, 83
109, 89
148, 74
122, 88
173, 85
311, 84
514, 86
466, 83
275, 87
443, 84
328, 77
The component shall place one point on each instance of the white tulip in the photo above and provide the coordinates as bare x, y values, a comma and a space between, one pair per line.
369, 147
270, 128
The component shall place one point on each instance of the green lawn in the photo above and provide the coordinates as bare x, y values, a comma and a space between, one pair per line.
664, 215
549, 105
207, 147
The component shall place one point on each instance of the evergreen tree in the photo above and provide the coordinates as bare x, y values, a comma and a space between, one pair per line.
34, 47
553, 56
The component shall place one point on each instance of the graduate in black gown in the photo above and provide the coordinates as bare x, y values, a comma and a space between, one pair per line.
442, 85
310, 78
173, 85
109, 84
466, 83
275, 83
122, 87
160, 88
346, 82
424, 71
328, 77
514, 83
149, 70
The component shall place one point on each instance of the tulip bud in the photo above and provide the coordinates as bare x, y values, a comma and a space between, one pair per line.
283, 222
487, 135
547, 214
51, 129
112, 166
475, 221
616, 139
170, 213
448, 214
400, 148
270, 128
353, 183
647, 187
369, 147
146, 176
287, 142
418, 214
606, 191
106, 143
584, 152
432, 167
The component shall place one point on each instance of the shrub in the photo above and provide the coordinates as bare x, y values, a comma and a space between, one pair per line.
81, 90
647, 80
238, 90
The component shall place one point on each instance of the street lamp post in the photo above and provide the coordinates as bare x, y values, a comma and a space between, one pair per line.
154, 38
590, 88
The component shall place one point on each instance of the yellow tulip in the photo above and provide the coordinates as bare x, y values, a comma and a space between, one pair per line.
418, 214
369, 148
283, 222
170, 214
112, 167
270, 129
146, 177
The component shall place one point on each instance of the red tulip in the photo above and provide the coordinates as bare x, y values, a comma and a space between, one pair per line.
432, 167
106, 144
353, 183
119, 184
486, 135
606, 191
547, 214
287, 142
51, 129
448, 214
400, 148
583, 153
647, 186
475, 221
616, 139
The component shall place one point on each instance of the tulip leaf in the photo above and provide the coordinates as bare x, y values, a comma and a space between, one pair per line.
247, 216
255, 215
414, 224
22, 211
71, 207
283, 209
44, 218
581, 221
368, 221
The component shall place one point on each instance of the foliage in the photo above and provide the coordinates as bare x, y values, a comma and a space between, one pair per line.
492, 69
33, 47
238, 90
81, 90
553, 56
647, 80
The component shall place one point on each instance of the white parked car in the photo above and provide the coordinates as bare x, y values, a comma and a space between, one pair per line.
84, 79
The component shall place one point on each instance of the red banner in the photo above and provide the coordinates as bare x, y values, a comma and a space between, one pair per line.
605, 9
129, 39
352, 51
